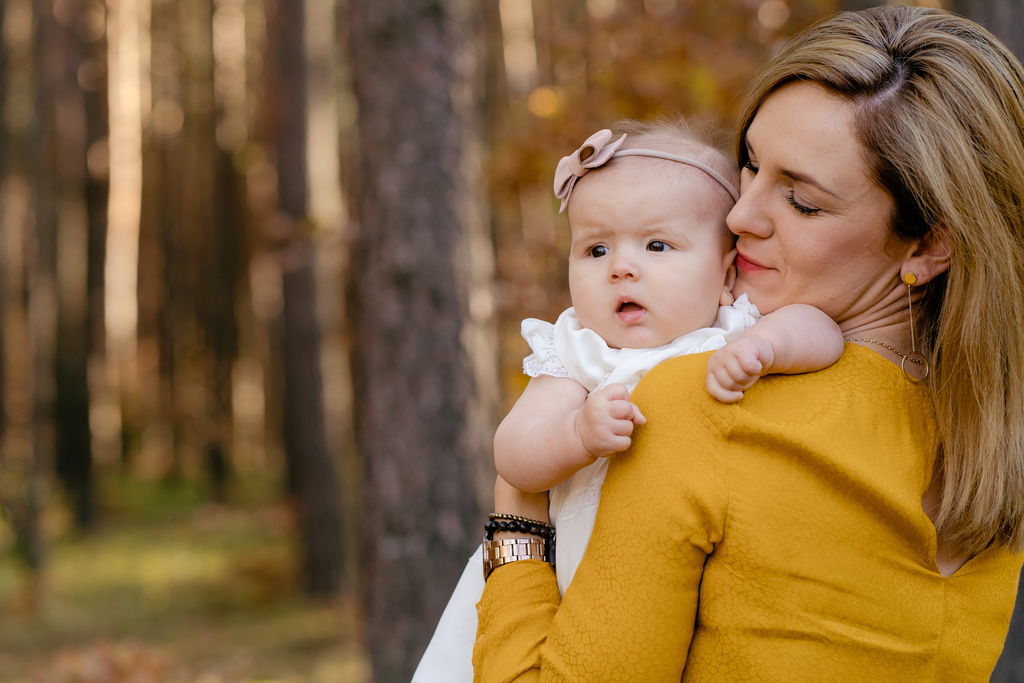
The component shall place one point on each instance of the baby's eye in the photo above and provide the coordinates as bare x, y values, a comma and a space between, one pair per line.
598, 251
657, 245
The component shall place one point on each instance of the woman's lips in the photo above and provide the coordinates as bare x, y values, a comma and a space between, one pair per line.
746, 265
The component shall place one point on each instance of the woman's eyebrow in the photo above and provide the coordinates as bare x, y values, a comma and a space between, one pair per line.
793, 175
802, 178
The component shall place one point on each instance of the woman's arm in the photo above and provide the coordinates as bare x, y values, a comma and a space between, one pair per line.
556, 428
629, 612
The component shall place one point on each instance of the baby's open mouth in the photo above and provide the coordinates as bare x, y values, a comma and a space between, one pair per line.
630, 312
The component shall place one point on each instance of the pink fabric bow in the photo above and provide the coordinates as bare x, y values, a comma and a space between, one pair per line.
596, 151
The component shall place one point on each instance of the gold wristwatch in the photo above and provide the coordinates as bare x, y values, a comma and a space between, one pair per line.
505, 550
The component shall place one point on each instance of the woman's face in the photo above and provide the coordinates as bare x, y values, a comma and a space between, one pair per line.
812, 226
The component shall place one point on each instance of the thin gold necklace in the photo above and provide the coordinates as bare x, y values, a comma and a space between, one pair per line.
909, 279
904, 356
913, 357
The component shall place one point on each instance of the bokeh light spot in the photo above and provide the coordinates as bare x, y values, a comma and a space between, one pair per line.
167, 117
544, 102
773, 14
97, 159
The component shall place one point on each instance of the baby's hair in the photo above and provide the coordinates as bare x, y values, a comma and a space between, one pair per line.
698, 140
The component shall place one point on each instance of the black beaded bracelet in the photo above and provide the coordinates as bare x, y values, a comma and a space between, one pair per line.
498, 521
515, 523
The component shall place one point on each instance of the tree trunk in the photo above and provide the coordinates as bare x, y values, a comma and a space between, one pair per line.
421, 302
62, 99
5, 143
167, 269
93, 44
211, 206
40, 296
313, 476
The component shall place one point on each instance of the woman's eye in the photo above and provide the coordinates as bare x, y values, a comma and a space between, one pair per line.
658, 245
599, 251
749, 165
802, 208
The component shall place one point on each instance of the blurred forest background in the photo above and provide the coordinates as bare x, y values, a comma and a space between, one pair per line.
262, 264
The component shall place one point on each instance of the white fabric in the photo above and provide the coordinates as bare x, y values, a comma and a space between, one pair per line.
449, 656
566, 349
586, 358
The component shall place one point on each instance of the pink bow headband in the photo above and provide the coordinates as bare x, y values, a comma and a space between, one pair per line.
599, 149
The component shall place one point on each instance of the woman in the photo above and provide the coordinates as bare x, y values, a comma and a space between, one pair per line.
854, 523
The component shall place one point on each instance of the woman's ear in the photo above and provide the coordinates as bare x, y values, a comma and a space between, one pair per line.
726, 298
929, 259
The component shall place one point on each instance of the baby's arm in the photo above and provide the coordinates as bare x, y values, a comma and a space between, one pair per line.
795, 338
556, 428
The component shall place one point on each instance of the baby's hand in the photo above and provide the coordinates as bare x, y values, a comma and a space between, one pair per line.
605, 422
735, 367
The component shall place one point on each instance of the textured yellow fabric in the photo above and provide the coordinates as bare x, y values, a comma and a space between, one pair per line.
778, 539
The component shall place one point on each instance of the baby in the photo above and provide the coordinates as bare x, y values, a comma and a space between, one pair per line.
650, 274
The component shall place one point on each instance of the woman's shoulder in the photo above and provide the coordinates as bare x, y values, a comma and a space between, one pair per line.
861, 380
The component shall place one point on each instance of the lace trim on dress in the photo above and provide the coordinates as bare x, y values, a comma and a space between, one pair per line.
535, 366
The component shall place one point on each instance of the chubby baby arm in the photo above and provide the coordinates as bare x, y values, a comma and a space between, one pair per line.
556, 429
793, 339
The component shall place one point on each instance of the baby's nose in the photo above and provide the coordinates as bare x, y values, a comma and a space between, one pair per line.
623, 269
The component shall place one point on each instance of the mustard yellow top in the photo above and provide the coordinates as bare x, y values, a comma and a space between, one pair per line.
778, 539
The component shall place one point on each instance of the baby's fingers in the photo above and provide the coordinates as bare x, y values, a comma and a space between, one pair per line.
621, 409
626, 410
749, 364
614, 392
741, 371
718, 390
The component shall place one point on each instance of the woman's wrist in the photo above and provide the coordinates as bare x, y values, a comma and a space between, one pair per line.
519, 528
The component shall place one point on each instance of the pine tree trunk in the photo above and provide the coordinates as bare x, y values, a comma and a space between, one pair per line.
40, 294
62, 99
5, 143
93, 44
167, 257
211, 207
17, 450
420, 302
313, 475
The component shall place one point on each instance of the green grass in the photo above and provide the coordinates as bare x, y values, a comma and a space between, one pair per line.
169, 588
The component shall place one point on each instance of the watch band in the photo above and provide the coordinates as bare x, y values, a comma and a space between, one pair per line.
505, 550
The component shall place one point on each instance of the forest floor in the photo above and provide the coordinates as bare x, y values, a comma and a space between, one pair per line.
171, 589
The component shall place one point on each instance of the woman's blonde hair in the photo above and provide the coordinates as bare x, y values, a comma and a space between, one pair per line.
939, 109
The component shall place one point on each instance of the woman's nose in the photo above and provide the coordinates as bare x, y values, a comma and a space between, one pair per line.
747, 215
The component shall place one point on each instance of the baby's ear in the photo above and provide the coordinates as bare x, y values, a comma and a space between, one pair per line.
726, 298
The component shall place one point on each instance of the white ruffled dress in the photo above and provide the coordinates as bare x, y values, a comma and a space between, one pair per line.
565, 349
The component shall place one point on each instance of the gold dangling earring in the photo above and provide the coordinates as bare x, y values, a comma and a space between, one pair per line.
910, 279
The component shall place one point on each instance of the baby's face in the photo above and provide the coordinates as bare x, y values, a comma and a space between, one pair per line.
649, 255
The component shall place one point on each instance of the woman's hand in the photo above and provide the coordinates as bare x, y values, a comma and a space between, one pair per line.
511, 501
